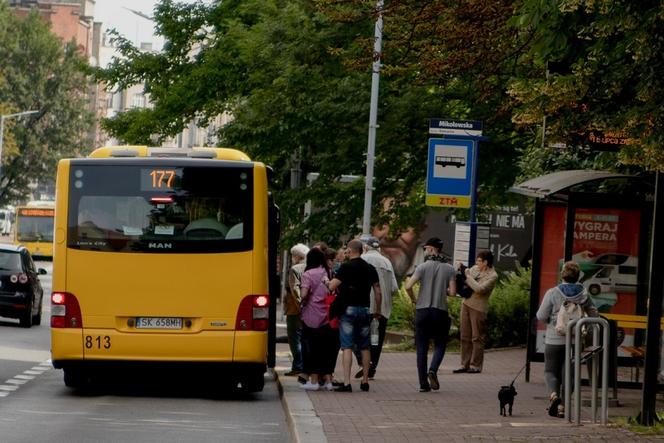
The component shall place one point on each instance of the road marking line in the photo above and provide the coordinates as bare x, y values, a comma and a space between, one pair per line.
24, 377
14, 383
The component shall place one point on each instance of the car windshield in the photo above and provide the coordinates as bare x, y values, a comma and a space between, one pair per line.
10, 261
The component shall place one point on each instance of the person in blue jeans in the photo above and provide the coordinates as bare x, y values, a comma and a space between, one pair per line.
353, 283
432, 322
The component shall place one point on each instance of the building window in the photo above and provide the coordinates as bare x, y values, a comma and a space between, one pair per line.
138, 101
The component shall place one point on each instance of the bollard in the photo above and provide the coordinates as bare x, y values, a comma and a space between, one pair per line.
598, 324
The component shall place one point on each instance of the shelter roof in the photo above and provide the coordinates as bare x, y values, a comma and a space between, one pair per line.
562, 181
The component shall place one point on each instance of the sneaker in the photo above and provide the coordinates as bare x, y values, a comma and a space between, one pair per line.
433, 381
359, 373
364, 387
460, 370
328, 387
372, 373
554, 403
292, 372
301, 380
308, 386
344, 388
424, 388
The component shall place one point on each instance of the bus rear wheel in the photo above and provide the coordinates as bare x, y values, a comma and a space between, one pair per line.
76, 378
254, 381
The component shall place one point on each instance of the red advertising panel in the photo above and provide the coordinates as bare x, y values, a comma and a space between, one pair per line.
606, 247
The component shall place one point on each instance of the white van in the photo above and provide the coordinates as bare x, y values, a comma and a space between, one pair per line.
614, 278
5, 222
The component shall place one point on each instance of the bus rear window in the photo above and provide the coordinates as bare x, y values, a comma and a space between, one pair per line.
160, 209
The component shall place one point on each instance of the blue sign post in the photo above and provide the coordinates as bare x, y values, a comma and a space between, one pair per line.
450, 172
452, 169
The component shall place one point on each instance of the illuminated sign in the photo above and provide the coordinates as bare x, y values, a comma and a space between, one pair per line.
33, 212
160, 179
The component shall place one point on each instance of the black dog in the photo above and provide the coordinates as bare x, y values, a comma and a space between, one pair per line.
506, 396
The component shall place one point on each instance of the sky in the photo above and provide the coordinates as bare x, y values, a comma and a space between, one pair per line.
114, 14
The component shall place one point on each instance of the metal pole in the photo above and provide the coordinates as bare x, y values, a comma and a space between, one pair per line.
373, 118
656, 288
2, 130
595, 373
577, 372
568, 371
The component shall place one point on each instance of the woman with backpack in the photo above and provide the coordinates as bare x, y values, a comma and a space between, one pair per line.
572, 293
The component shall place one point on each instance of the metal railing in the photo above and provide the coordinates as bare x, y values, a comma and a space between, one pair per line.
598, 324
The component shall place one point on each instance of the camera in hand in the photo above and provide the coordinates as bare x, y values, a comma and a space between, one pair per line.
463, 290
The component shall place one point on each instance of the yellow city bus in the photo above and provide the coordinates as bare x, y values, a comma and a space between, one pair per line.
164, 256
34, 228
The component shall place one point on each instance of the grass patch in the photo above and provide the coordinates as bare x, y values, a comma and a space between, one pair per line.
632, 425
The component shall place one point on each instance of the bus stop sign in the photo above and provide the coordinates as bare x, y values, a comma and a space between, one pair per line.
449, 172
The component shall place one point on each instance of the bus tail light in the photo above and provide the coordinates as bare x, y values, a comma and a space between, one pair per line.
65, 311
254, 313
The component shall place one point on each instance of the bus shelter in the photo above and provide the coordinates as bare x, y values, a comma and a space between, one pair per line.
602, 221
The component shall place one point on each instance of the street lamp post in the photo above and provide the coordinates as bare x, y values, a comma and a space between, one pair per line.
2, 128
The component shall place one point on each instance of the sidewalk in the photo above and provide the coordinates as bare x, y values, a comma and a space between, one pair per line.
466, 407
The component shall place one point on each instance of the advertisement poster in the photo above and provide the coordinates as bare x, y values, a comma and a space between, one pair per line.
605, 246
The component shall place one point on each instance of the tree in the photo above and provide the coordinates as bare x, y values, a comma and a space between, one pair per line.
296, 78
605, 73
38, 73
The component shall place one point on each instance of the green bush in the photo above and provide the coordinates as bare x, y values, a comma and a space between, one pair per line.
507, 320
403, 312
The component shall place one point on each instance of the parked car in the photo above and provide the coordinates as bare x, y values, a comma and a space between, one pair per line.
21, 292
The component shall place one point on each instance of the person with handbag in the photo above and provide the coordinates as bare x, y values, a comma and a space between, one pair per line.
316, 332
482, 279
432, 321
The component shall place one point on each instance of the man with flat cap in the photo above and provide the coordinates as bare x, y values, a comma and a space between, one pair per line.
432, 322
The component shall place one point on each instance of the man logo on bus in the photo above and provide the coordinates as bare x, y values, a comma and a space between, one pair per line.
160, 245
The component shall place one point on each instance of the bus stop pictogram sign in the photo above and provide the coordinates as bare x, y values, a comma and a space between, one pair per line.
449, 172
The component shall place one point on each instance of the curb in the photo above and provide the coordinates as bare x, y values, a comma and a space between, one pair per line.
303, 422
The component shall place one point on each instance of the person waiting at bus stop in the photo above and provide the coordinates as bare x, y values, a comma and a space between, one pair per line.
354, 282
432, 321
292, 302
570, 290
388, 286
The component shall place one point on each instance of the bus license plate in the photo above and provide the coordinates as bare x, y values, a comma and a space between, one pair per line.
158, 323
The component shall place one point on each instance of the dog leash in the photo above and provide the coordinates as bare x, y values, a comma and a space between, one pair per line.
519, 373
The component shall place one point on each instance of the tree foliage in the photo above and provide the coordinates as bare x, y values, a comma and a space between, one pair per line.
605, 72
295, 74
38, 73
